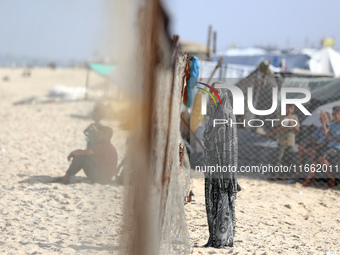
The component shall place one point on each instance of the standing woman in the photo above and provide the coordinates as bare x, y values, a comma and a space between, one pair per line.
220, 144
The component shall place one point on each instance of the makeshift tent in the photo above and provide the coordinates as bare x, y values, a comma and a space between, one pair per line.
245, 52
323, 91
101, 69
226, 71
314, 119
327, 60
192, 47
291, 60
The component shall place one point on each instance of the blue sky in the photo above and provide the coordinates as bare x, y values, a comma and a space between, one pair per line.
76, 29
257, 22
61, 29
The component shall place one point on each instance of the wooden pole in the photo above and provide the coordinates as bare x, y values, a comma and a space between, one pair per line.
192, 132
165, 173
209, 40
216, 67
87, 83
214, 42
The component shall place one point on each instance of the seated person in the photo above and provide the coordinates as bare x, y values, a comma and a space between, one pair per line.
91, 131
332, 151
99, 162
314, 144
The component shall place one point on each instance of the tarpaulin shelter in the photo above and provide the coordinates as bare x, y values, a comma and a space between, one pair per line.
291, 60
193, 47
323, 91
327, 60
226, 71
314, 119
104, 70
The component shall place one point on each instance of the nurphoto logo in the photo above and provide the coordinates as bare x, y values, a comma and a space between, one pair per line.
238, 103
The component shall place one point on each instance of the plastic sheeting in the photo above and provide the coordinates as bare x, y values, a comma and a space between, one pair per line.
102, 69
326, 60
291, 60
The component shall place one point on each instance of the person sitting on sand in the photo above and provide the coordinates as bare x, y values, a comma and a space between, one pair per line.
314, 144
99, 162
317, 149
332, 152
91, 131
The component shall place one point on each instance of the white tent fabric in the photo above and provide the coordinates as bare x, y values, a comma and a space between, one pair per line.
245, 52
327, 60
314, 119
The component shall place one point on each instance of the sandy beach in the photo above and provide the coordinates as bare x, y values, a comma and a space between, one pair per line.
39, 217
273, 218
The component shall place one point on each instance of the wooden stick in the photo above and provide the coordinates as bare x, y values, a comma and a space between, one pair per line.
216, 67
214, 42
87, 83
192, 132
208, 43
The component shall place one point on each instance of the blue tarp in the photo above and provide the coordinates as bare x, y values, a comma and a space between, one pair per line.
192, 82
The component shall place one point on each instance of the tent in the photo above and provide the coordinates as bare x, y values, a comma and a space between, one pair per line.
192, 47
102, 69
292, 61
327, 60
314, 119
105, 70
226, 71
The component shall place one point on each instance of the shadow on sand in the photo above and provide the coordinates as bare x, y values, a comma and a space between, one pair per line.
49, 179
74, 247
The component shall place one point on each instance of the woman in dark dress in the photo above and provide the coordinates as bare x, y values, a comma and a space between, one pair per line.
220, 144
